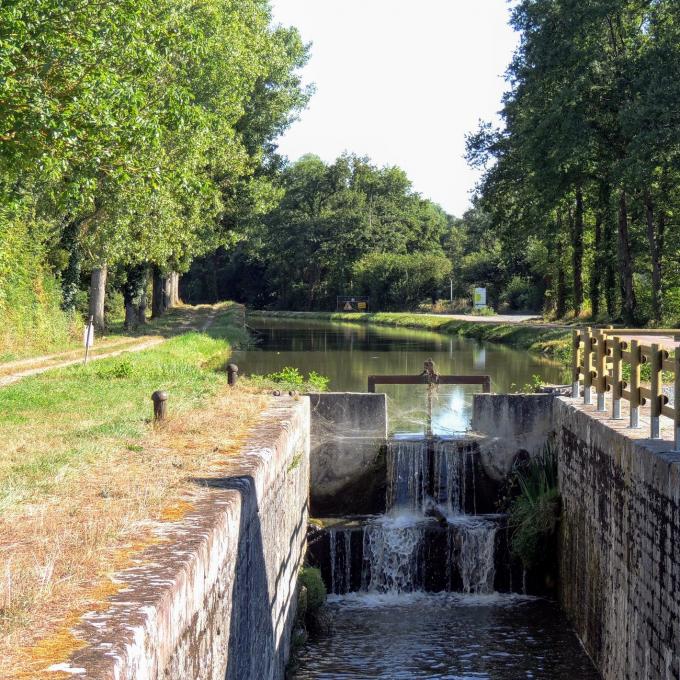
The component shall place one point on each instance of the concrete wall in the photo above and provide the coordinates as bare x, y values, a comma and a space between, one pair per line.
216, 597
510, 423
349, 431
619, 544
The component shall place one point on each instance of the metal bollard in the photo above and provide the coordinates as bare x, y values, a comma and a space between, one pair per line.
160, 405
232, 374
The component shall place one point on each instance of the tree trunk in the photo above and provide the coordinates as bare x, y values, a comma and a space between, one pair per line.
596, 273
652, 237
174, 289
577, 253
141, 308
626, 264
134, 296
158, 306
98, 296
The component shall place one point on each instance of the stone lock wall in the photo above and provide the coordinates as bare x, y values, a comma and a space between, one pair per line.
620, 545
215, 598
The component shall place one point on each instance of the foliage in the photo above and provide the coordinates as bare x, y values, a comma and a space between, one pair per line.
122, 368
580, 190
401, 281
535, 512
304, 251
139, 132
534, 386
519, 294
310, 578
290, 378
30, 299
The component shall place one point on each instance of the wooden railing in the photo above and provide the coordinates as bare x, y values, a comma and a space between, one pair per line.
598, 359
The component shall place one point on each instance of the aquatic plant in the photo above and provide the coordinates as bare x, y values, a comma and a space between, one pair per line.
534, 512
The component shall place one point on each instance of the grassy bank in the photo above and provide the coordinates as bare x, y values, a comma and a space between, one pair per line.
553, 342
83, 473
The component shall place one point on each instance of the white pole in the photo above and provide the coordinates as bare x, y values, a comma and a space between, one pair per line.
451, 281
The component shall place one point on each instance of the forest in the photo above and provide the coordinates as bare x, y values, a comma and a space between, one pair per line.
138, 146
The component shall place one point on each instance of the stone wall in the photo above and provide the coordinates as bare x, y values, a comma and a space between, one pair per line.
619, 544
349, 432
511, 424
215, 597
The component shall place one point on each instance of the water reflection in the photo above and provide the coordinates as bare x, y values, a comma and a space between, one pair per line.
348, 353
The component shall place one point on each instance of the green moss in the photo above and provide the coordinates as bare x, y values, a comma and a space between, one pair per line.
310, 578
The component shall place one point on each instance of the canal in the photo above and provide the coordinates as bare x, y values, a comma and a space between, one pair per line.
386, 621
348, 353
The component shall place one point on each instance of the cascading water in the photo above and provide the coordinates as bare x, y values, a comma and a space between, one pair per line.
426, 478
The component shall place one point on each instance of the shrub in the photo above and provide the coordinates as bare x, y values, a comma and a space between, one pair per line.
519, 294
290, 378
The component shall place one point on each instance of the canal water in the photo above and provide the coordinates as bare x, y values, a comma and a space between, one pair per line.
348, 353
410, 596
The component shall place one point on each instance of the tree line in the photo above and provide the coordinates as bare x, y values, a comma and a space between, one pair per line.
580, 191
135, 135
341, 228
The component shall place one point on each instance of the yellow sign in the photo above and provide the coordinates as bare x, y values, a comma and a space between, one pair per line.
362, 305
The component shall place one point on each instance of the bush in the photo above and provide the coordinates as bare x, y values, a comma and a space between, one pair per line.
31, 318
519, 294
290, 378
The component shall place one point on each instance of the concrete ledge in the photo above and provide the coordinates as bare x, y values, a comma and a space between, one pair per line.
215, 597
619, 543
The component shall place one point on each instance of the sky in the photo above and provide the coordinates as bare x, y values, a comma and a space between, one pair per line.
402, 82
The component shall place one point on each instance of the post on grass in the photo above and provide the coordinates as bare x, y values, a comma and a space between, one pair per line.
88, 337
160, 406
232, 374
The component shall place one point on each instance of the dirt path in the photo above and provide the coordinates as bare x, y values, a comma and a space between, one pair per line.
13, 371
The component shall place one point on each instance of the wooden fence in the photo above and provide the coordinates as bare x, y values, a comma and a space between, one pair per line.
600, 359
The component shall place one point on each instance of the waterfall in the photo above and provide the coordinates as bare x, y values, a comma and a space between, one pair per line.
476, 557
392, 558
340, 560
420, 470
407, 475
406, 550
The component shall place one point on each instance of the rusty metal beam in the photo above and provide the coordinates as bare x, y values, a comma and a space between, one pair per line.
483, 380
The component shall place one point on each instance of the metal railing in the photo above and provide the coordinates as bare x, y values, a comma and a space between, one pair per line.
599, 357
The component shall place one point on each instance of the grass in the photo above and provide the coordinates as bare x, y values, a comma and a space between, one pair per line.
553, 342
535, 511
83, 472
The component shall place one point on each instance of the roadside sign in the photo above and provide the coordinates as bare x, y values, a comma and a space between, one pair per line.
352, 303
479, 298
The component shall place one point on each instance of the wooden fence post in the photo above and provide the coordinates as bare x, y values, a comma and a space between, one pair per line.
634, 384
656, 392
600, 368
160, 405
617, 380
575, 363
588, 367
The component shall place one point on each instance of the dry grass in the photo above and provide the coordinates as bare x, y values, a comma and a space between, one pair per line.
58, 553
84, 476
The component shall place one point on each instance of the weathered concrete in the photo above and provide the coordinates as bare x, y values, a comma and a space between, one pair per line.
619, 544
511, 423
349, 431
215, 598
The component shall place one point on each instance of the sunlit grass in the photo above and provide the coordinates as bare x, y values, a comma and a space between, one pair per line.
83, 470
